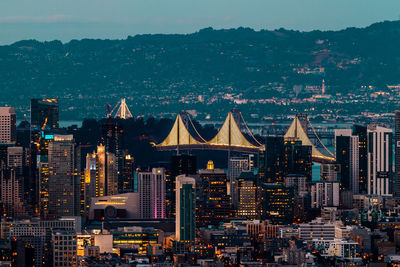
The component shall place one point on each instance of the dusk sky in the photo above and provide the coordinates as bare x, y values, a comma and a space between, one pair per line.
76, 19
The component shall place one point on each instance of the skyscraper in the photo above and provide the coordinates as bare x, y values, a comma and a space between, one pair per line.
63, 184
151, 189
44, 116
12, 193
91, 181
237, 165
396, 188
277, 203
112, 174
379, 160
347, 155
297, 159
101, 160
15, 159
127, 179
361, 132
246, 196
113, 140
8, 128
185, 222
274, 159
180, 164
330, 172
214, 203
325, 194
43, 191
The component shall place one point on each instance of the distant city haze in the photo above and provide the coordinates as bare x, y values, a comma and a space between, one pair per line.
117, 19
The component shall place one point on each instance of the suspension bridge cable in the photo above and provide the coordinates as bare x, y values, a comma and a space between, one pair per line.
249, 132
202, 139
319, 140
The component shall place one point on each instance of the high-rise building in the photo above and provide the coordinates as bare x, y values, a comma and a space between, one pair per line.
347, 155
12, 194
297, 158
44, 114
330, 172
396, 188
63, 183
91, 181
44, 117
15, 159
8, 128
214, 203
127, 179
22, 252
183, 164
185, 222
380, 160
43, 189
112, 174
325, 194
277, 203
180, 164
361, 132
317, 229
274, 159
101, 170
247, 196
64, 248
113, 140
237, 165
38, 235
151, 189
299, 182
96, 173
100, 176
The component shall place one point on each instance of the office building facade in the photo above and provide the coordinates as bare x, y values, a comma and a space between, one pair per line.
8, 128
185, 222
63, 181
151, 189
379, 161
347, 156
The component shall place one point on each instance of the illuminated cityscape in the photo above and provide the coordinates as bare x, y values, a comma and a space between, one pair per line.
80, 196
232, 147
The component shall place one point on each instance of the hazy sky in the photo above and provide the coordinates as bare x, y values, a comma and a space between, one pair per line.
76, 19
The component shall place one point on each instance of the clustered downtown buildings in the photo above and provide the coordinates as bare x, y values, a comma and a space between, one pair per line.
69, 203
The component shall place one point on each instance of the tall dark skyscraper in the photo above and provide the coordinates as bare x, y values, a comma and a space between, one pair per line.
63, 181
127, 180
183, 164
180, 164
44, 116
185, 223
113, 140
361, 132
214, 205
396, 187
274, 156
347, 155
277, 203
297, 159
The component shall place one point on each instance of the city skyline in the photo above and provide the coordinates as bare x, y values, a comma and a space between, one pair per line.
219, 144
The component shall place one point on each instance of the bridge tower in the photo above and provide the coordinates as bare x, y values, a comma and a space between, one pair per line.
123, 111
303, 118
